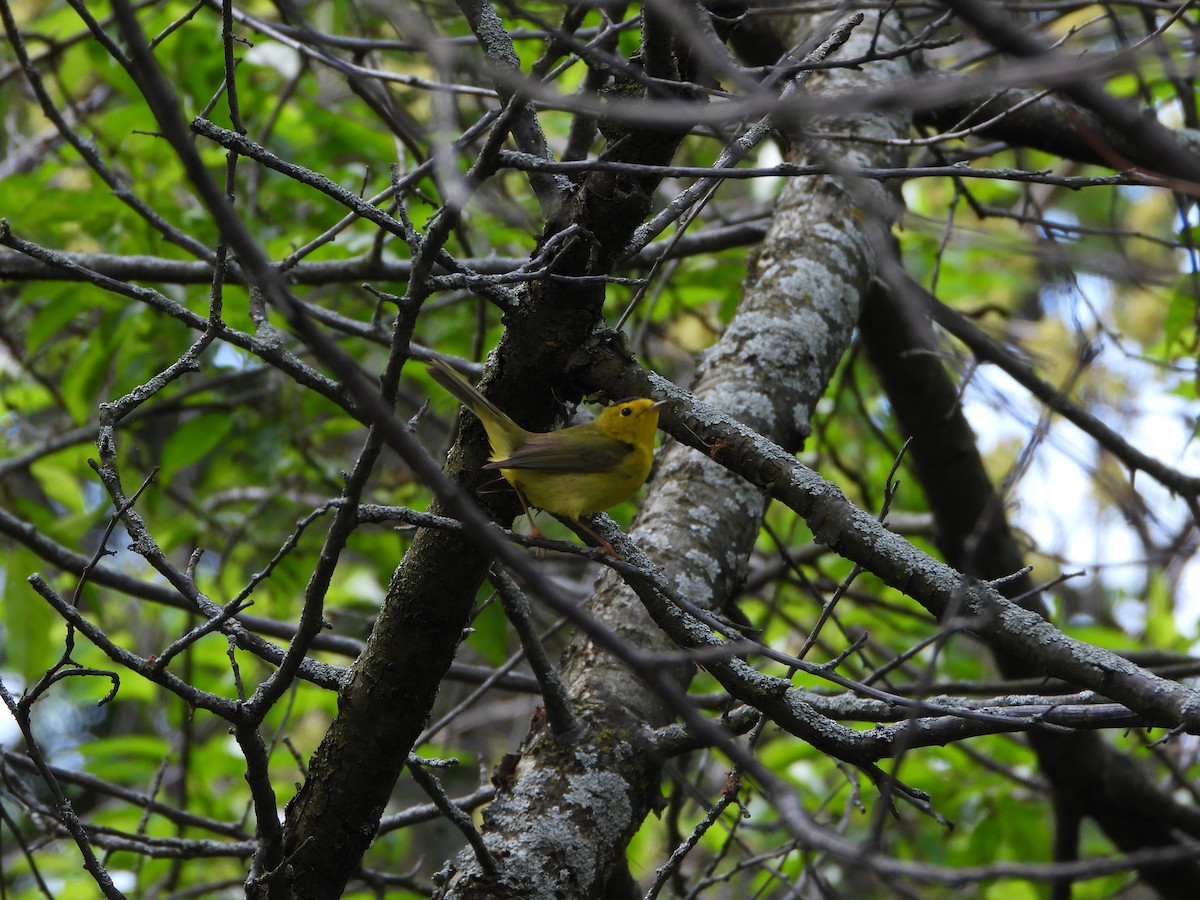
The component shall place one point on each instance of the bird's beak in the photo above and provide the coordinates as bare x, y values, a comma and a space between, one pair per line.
661, 404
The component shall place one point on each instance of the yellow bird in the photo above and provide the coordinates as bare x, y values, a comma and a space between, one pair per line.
572, 472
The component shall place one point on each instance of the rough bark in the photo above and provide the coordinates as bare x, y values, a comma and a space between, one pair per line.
563, 825
391, 689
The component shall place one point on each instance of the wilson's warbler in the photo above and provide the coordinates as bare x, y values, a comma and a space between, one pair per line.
572, 472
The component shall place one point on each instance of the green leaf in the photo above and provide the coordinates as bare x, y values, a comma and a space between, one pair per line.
193, 441
31, 642
82, 379
50, 319
61, 476
490, 636
124, 758
1161, 630
1180, 319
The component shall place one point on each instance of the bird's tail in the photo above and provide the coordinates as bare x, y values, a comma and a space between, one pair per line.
500, 427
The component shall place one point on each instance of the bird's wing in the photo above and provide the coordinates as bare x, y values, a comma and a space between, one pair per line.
550, 453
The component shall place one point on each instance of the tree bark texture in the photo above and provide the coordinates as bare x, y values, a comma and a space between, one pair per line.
562, 826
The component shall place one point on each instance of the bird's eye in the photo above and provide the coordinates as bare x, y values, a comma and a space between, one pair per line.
627, 411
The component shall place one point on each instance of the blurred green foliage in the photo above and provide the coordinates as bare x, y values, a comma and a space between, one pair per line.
237, 454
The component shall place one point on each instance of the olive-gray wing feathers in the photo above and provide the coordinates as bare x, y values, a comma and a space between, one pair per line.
549, 453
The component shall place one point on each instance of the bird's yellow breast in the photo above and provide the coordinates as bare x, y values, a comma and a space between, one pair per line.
575, 494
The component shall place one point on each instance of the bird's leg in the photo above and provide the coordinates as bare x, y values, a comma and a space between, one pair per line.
534, 531
601, 542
